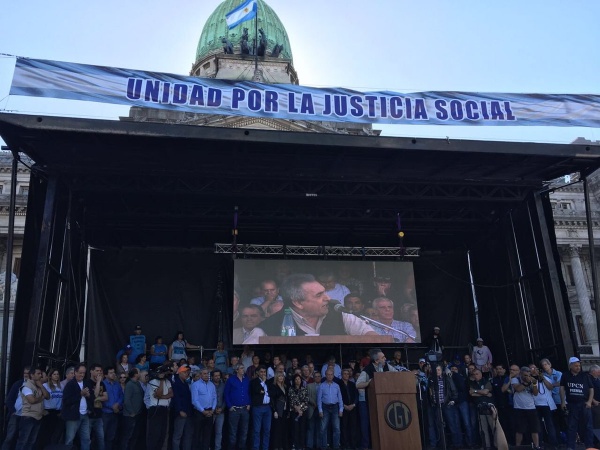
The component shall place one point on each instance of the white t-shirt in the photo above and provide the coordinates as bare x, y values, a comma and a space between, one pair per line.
82, 402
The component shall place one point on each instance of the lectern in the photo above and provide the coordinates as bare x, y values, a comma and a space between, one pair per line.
393, 411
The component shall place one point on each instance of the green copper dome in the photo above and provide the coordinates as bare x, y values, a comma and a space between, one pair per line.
216, 28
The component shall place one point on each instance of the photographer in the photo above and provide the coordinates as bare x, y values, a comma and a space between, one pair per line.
157, 399
480, 392
525, 387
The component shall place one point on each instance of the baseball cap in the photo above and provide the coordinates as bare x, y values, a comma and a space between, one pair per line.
137, 327
183, 369
479, 339
436, 328
573, 359
422, 360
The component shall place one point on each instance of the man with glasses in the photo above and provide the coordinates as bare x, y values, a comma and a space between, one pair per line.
237, 399
111, 408
78, 401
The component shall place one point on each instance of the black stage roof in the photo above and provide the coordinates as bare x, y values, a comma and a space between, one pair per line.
151, 184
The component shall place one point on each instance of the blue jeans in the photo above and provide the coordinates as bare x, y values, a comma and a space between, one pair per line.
28, 431
12, 432
579, 420
331, 414
436, 429
219, 421
547, 430
110, 421
81, 426
465, 418
365, 426
313, 435
261, 421
183, 429
238, 428
97, 427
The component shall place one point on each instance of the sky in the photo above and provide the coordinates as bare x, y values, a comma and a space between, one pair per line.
513, 46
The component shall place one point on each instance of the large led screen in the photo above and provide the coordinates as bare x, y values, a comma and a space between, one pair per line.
303, 302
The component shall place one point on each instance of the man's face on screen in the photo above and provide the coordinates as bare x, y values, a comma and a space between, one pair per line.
354, 304
269, 291
315, 300
250, 318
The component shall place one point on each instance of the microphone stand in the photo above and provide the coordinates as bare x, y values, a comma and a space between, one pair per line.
378, 324
338, 307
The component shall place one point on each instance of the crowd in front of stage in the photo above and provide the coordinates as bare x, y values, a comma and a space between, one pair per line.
252, 401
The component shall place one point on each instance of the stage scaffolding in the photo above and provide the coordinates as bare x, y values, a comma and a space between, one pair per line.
317, 251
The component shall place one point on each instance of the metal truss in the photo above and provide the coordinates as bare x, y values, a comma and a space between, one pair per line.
319, 251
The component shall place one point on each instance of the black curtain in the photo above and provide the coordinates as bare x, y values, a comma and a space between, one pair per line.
163, 291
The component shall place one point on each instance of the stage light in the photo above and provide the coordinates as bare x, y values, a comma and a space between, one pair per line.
401, 234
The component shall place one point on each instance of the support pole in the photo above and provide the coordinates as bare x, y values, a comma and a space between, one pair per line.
590, 231
7, 285
565, 335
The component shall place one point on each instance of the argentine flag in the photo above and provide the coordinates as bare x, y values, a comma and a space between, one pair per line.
245, 11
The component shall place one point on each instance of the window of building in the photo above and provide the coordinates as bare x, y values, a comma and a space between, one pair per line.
580, 330
17, 267
24, 189
1, 188
569, 278
565, 205
206, 66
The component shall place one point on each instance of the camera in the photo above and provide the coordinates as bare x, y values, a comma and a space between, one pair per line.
161, 371
486, 409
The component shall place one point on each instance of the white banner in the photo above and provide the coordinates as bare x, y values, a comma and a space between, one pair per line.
53, 79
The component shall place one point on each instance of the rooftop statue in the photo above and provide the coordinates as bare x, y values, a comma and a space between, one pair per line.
227, 47
244, 43
262, 47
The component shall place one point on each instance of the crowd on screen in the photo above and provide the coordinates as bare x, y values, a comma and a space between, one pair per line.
253, 400
386, 298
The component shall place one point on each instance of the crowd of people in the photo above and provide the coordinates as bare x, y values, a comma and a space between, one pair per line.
259, 401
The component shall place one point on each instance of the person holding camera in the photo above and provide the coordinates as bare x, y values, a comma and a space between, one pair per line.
480, 392
157, 399
524, 388
576, 396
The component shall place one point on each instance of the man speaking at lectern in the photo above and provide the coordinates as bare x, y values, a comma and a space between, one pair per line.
378, 364
311, 312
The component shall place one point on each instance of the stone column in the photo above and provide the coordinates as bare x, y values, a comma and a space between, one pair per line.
583, 297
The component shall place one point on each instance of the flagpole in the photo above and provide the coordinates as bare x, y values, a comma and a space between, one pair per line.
256, 41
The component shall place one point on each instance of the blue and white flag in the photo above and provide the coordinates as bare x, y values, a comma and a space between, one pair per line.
245, 11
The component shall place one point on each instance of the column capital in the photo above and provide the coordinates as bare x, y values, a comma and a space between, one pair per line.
574, 250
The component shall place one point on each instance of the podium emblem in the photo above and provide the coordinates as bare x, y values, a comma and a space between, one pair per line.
398, 415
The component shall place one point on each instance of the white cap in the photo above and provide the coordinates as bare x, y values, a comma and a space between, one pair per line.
573, 359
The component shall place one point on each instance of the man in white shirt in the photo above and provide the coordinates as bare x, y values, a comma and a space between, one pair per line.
248, 333
157, 399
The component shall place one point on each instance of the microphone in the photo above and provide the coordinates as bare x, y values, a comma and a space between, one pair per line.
338, 307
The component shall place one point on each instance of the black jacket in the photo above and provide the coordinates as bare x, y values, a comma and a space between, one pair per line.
72, 397
257, 393
450, 393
